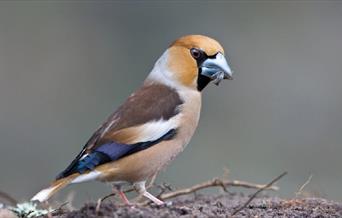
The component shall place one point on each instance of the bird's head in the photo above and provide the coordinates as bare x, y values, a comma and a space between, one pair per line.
193, 61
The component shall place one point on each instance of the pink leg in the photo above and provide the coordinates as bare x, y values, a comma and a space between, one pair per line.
117, 189
124, 198
141, 189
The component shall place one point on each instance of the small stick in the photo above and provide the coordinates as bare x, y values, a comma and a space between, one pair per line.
213, 183
58, 210
153, 179
164, 188
98, 205
6, 197
105, 197
257, 192
299, 192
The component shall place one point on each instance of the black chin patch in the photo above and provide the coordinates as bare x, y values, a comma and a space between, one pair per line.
202, 81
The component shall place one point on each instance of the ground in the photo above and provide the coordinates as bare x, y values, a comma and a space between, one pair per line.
216, 206
191, 202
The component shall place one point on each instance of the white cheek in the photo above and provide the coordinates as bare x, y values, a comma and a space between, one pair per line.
160, 71
162, 74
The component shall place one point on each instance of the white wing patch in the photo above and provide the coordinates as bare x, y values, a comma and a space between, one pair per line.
155, 129
87, 177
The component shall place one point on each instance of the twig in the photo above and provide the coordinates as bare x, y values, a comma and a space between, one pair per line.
98, 205
299, 192
6, 197
216, 182
164, 188
58, 210
153, 179
107, 196
213, 183
257, 192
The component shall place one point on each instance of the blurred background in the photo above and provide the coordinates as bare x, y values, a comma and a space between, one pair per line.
65, 66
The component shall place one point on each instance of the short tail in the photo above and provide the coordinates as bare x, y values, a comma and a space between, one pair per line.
57, 185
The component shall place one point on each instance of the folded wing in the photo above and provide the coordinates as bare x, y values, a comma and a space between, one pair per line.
148, 116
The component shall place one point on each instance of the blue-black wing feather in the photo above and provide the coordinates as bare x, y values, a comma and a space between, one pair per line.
107, 152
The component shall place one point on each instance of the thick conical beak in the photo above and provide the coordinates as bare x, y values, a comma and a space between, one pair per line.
216, 69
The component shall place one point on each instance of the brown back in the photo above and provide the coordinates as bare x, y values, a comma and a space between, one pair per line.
150, 102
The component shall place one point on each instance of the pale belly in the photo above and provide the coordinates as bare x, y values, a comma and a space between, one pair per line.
141, 165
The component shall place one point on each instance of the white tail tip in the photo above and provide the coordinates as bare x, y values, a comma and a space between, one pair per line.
43, 195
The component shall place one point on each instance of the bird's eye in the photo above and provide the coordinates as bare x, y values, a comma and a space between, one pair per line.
195, 53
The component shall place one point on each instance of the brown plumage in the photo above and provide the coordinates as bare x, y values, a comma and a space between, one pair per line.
150, 102
154, 124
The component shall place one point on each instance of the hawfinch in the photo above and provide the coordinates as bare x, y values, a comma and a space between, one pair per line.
153, 125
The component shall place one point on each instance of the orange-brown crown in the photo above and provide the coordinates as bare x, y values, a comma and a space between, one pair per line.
208, 45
